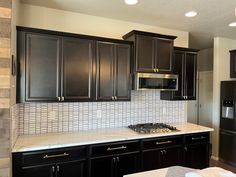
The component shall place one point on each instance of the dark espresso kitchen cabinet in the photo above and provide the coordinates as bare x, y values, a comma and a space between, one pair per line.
196, 151
63, 67
51, 163
77, 65
185, 65
39, 56
161, 153
54, 68
115, 159
153, 52
232, 64
113, 71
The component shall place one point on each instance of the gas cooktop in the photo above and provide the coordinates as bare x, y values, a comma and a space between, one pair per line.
148, 128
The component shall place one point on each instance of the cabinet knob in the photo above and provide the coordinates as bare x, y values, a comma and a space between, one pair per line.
59, 98
157, 70
186, 149
115, 97
112, 97
62, 98
154, 70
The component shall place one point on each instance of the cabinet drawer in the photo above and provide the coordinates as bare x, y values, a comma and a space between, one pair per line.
162, 142
52, 156
115, 148
197, 138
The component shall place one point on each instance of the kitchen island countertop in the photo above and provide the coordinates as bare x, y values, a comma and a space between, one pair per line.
58, 140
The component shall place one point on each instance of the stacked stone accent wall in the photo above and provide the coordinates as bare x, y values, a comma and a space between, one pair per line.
5, 63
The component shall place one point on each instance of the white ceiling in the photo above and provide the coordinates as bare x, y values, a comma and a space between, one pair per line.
212, 19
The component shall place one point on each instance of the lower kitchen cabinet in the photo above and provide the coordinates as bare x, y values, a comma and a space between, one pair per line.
115, 166
71, 169
197, 156
162, 152
196, 151
115, 159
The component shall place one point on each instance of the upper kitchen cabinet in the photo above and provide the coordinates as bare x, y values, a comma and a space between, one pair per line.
185, 65
63, 67
153, 52
77, 69
54, 68
113, 71
232, 64
39, 71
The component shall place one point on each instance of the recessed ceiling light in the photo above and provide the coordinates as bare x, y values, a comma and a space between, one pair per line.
191, 14
233, 24
131, 2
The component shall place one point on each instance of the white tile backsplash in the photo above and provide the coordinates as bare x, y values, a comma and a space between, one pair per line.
145, 106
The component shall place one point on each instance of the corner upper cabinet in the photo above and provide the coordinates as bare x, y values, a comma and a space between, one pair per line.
39, 58
113, 71
153, 52
232, 64
185, 65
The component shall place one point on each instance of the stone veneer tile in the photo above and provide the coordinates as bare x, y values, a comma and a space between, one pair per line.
5, 12
5, 3
5, 52
4, 102
5, 81
4, 62
4, 163
5, 27
4, 113
4, 92
4, 71
5, 42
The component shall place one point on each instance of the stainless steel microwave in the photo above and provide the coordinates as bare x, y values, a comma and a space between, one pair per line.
147, 81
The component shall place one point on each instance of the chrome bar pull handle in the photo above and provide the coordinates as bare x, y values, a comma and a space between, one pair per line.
57, 155
116, 148
164, 142
199, 138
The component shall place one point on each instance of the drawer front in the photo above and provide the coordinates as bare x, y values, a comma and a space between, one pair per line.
197, 138
162, 142
53, 156
115, 148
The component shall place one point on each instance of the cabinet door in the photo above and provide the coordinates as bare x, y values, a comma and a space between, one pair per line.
71, 169
163, 49
233, 64
78, 56
145, 54
190, 75
197, 156
122, 72
170, 157
151, 160
178, 68
127, 164
37, 171
42, 67
105, 71
104, 167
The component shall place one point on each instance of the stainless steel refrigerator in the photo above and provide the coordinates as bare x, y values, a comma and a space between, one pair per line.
227, 149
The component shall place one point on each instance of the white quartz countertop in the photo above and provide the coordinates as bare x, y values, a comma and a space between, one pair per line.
59, 140
175, 171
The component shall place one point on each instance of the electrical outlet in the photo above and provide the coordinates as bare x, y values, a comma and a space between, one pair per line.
52, 116
99, 113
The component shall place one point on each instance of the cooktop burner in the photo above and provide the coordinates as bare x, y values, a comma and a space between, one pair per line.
152, 128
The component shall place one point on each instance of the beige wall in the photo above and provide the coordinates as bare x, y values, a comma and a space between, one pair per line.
205, 60
221, 71
40, 17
